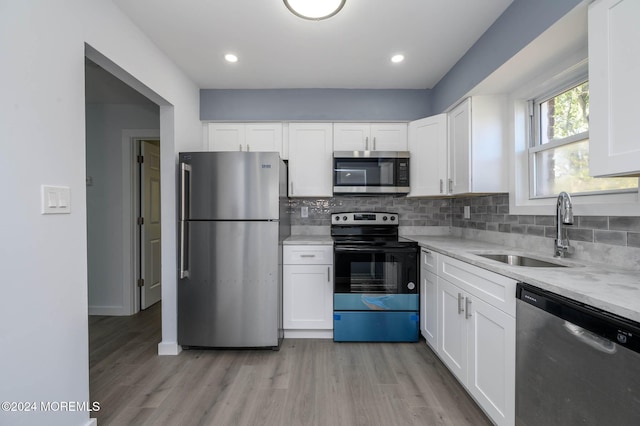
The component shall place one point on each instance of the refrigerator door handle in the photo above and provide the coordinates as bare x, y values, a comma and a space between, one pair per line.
185, 178
184, 253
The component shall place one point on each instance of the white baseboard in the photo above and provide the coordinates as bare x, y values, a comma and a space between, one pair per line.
308, 334
169, 348
116, 311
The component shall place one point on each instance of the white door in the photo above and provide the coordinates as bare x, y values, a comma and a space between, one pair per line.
308, 297
226, 137
264, 137
310, 160
150, 270
452, 340
460, 148
389, 137
428, 148
430, 301
492, 360
351, 137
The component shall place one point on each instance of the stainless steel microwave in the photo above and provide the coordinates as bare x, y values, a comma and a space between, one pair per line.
371, 172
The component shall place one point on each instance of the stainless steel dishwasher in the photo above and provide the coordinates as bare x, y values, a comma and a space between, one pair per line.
575, 364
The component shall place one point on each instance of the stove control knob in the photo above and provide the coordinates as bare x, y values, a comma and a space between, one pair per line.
393, 218
337, 218
384, 218
344, 218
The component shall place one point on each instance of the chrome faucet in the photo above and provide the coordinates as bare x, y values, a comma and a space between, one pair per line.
564, 216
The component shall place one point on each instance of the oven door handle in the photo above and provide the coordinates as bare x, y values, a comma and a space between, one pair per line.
369, 249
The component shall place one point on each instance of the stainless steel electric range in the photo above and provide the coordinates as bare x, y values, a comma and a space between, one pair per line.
376, 291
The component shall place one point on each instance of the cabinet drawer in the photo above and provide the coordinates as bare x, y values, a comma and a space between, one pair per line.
428, 260
308, 255
497, 290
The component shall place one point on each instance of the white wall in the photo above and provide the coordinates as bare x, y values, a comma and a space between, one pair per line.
110, 280
43, 305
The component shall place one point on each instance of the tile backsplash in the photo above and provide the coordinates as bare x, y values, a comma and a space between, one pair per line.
488, 213
491, 213
412, 211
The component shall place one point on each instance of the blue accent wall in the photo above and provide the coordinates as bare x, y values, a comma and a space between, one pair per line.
519, 25
314, 104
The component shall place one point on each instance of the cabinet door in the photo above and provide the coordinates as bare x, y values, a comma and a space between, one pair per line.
351, 137
460, 148
308, 297
310, 160
491, 356
263, 137
429, 307
226, 137
428, 148
388, 137
614, 66
452, 337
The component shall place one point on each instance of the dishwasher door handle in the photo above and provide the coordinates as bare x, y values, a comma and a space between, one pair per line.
591, 339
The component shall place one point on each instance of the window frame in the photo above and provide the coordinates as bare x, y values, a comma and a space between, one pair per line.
564, 74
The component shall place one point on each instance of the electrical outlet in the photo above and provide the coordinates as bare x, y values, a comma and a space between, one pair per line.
304, 211
467, 212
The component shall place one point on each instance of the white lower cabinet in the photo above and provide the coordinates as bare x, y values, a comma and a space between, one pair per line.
476, 340
308, 291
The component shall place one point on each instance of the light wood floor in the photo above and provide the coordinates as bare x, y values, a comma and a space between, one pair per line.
308, 382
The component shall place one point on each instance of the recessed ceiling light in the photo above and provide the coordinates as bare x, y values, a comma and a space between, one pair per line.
397, 58
314, 9
230, 57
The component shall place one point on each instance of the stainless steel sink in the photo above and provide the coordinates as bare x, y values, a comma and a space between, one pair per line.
517, 260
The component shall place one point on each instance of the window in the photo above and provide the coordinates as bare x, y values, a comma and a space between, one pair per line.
559, 147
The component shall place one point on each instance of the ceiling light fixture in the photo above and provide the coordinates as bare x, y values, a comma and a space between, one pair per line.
397, 59
314, 10
230, 57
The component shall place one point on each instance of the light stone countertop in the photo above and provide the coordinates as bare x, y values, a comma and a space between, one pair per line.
606, 287
309, 240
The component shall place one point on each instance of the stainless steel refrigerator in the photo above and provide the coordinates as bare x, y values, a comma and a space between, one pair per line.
233, 219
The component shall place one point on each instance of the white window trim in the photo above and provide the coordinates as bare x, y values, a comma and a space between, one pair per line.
565, 72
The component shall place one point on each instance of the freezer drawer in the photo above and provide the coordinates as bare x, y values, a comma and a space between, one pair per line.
232, 295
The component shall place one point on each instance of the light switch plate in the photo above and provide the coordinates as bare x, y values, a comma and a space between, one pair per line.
304, 211
467, 212
55, 199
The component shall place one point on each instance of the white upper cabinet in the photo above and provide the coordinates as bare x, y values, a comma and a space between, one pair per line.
477, 146
257, 137
428, 148
370, 136
614, 67
310, 159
